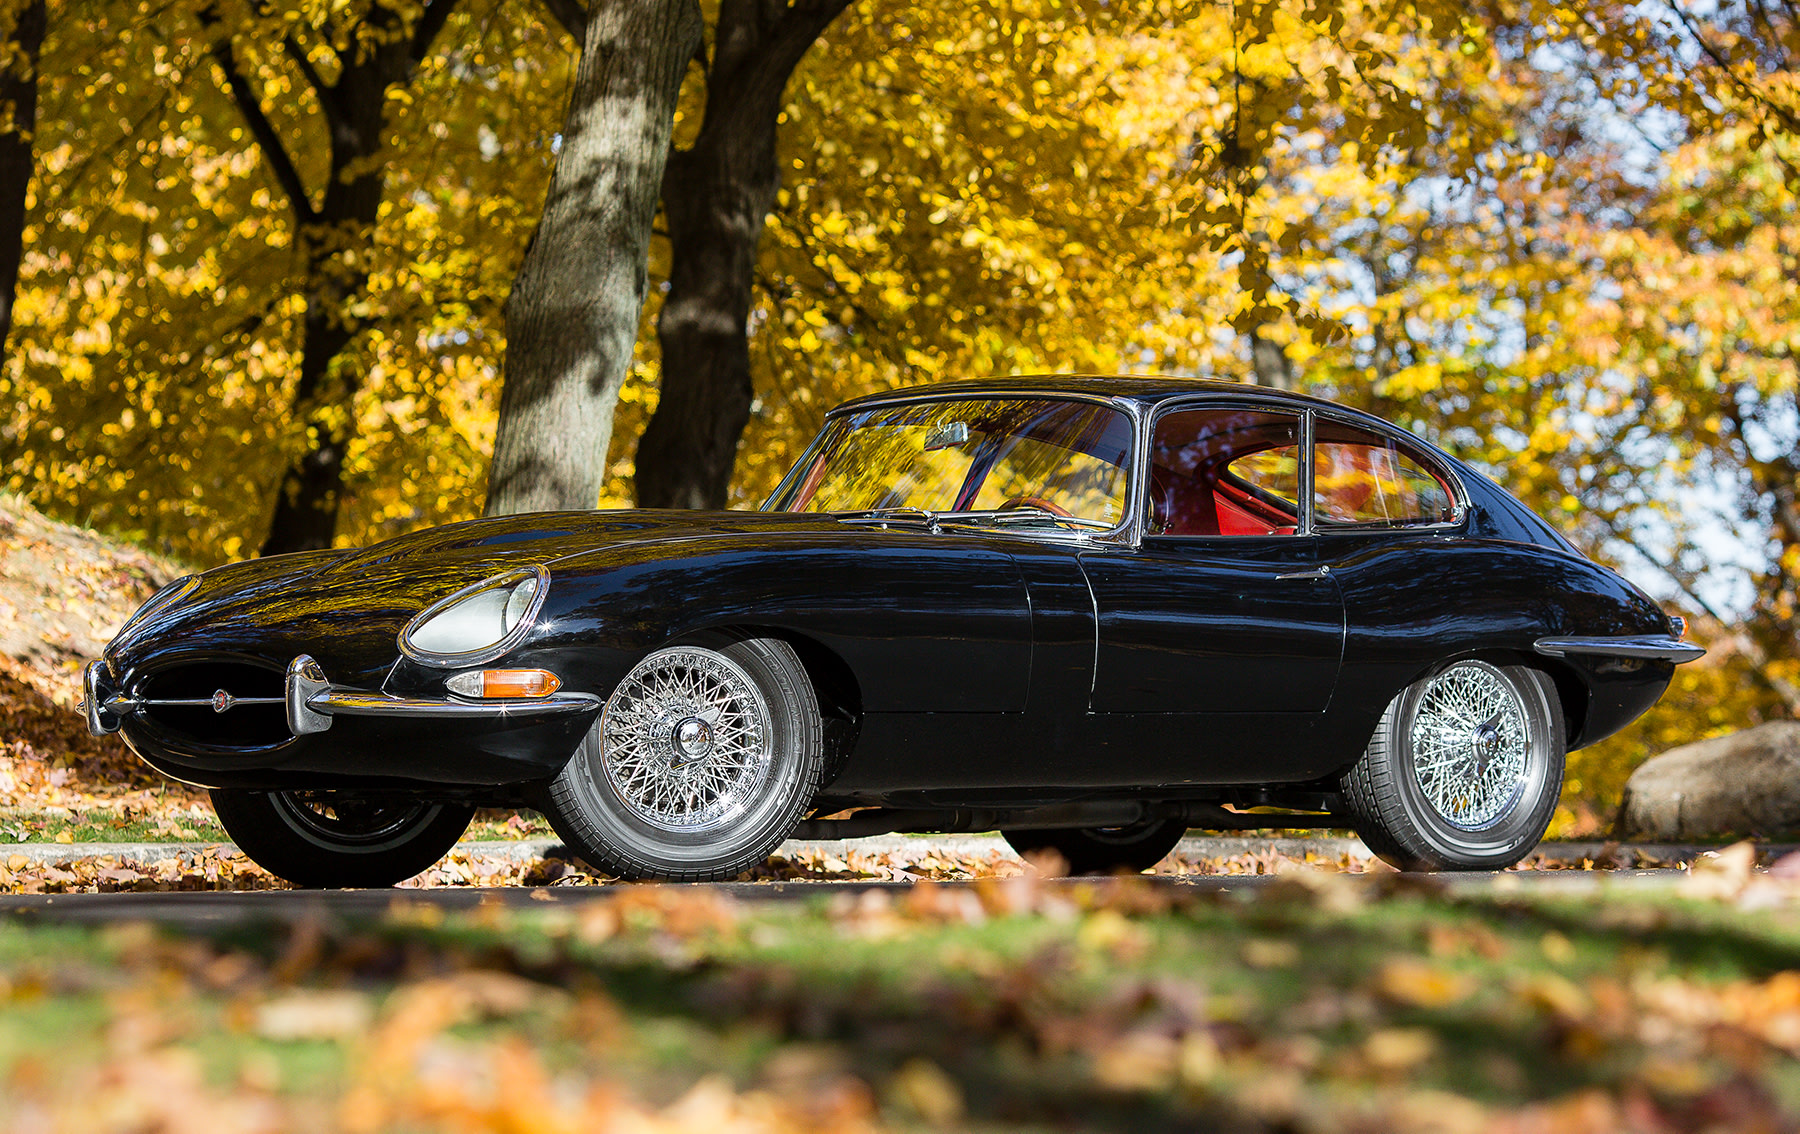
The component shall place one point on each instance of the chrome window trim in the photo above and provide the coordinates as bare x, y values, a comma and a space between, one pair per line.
1308, 506
1216, 400
1434, 462
504, 580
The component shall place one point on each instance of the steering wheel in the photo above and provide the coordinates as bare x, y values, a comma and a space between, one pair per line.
1038, 502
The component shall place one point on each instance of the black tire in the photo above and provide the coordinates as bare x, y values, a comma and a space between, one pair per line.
1425, 798
1103, 850
328, 840
657, 790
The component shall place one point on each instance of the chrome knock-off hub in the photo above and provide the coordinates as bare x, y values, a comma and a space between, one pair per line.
693, 740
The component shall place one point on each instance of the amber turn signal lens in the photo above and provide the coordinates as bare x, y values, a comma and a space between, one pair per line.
504, 683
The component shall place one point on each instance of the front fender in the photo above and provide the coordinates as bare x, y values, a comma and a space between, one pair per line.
927, 622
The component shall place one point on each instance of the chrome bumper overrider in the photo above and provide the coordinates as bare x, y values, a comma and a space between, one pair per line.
312, 701
1644, 647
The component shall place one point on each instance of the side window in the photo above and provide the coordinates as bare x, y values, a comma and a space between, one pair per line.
1232, 472
1363, 479
1269, 472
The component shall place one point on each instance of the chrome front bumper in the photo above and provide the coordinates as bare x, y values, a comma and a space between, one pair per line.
312, 701
1642, 647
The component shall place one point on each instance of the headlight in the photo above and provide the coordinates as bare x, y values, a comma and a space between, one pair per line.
168, 596
478, 622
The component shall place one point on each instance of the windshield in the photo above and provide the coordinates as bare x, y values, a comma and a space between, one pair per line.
1063, 458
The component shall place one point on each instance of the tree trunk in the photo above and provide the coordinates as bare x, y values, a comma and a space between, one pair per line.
1271, 364
18, 89
336, 245
572, 317
336, 241
716, 197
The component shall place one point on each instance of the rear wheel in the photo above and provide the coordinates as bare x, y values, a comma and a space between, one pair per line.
1103, 850
702, 762
329, 840
1463, 771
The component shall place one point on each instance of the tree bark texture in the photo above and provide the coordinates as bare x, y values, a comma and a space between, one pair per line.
572, 317
336, 244
1271, 364
716, 197
18, 103
335, 240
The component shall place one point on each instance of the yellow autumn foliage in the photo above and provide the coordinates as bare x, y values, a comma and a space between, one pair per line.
1422, 208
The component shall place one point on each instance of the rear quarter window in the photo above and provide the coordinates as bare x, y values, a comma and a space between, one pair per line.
1366, 479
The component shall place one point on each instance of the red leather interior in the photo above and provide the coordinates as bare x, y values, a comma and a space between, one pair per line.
1234, 520
1180, 505
1199, 505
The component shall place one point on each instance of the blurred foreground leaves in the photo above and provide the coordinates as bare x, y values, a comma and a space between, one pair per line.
1318, 1003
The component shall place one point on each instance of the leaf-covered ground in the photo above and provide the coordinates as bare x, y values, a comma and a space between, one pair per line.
195, 867
1320, 1003
64, 591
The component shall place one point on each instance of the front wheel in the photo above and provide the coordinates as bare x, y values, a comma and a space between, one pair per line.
1464, 770
1103, 850
700, 765
329, 840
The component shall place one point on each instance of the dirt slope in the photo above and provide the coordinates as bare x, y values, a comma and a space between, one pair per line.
64, 591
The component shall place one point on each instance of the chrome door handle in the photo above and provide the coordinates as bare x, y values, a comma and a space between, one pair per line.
1315, 573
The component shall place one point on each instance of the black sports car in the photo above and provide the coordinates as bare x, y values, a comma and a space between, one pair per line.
1088, 612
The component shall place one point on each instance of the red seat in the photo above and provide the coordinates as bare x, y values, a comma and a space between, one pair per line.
1181, 505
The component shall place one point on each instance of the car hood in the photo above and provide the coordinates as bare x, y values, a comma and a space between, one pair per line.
500, 542
346, 608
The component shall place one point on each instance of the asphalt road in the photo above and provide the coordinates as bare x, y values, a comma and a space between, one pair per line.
203, 909
1197, 846
211, 909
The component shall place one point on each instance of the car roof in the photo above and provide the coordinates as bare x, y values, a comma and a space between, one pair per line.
1143, 389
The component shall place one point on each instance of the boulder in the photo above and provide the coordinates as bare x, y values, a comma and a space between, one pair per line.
1747, 783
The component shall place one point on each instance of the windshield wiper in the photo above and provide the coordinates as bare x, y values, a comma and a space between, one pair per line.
1002, 517
888, 516
1008, 517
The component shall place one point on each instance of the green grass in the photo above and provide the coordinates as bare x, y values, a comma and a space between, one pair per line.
18, 825
1105, 1008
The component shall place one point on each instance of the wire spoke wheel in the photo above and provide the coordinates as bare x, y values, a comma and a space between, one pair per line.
704, 758
1463, 771
1470, 745
685, 740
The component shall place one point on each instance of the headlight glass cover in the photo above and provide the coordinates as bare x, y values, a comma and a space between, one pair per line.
477, 623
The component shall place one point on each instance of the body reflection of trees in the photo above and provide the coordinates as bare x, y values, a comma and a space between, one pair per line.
1071, 454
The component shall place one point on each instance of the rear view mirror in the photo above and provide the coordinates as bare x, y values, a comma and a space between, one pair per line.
946, 435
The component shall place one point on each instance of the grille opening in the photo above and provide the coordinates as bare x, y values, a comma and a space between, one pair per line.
241, 726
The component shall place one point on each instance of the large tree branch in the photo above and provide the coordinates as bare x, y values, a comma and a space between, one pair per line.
757, 45
313, 79
287, 174
799, 29
428, 27
1720, 61
572, 15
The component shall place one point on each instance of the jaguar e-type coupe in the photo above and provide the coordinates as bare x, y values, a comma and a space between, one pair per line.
1090, 613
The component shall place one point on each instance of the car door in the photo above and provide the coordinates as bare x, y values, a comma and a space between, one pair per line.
1225, 606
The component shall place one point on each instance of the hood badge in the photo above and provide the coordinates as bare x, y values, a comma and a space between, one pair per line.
222, 700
